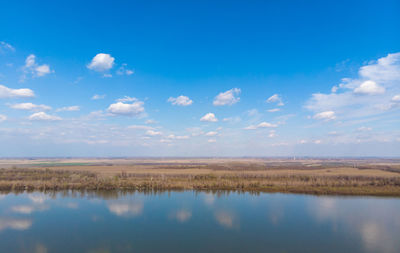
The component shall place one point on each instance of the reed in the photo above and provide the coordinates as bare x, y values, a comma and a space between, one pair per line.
49, 179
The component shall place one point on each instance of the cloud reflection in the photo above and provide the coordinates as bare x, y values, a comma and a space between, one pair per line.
16, 224
126, 209
373, 224
226, 219
182, 215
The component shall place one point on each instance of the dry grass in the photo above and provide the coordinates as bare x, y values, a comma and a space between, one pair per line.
351, 177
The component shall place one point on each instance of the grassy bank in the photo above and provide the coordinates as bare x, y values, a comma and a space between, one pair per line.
49, 179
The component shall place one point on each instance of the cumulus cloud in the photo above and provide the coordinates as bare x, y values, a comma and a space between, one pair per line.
370, 93
229, 97
42, 116
275, 99
30, 107
127, 109
153, 133
370, 88
101, 62
210, 117
211, 133
33, 68
327, 115
6, 92
181, 100
3, 117
96, 96
261, 125
73, 108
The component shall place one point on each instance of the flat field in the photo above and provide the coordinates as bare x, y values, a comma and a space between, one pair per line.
379, 177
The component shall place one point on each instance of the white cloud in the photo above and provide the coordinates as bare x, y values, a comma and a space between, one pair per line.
42, 116
3, 117
232, 119
210, 117
177, 137
126, 99
272, 134
42, 70
181, 100
153, 133
369, 88
364, 129
141, 127
227, 98
134, 109
274, 110
124, 71
211, 133
261, 125
396, 98
69, 109
30, 106
266, 124
32, 67
6, 92
275, 99
101, 62
327, 115
96, 96
368, 94
4, 46
212, 140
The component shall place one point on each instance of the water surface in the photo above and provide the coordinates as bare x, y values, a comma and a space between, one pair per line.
196, 222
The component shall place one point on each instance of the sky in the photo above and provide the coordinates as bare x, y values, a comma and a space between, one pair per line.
199, 78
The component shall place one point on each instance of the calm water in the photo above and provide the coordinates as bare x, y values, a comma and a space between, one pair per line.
197, 222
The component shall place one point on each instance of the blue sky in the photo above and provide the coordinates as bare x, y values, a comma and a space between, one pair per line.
208, 78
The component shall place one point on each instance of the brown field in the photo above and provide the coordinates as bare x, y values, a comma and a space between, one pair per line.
379, 177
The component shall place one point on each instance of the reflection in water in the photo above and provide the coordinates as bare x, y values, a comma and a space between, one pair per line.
13, 223
38, 198
28, 209
126, 209
182, 215
209, 199
72, 205
226, 219
40, 248
208, 222
374, 224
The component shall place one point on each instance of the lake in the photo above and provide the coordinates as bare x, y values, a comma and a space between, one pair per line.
196, 222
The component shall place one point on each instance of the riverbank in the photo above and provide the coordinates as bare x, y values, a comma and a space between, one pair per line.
315, 180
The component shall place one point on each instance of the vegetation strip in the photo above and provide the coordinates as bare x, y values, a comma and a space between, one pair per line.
49, 179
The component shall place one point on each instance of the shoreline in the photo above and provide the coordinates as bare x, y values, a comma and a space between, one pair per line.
15, 180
